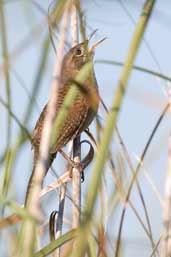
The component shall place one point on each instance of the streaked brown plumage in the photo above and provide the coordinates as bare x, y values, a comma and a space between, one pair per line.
82, 111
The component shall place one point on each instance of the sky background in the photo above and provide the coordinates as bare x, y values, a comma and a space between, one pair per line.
144, 101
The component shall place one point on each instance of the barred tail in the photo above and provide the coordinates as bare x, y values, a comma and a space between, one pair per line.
31, 180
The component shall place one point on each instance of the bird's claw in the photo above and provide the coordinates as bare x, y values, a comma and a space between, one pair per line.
79, 166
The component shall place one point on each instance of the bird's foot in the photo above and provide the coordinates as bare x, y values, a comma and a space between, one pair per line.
77, 165
72, 164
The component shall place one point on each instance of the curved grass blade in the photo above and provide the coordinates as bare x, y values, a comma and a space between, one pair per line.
56, 243
151, 72
102, 154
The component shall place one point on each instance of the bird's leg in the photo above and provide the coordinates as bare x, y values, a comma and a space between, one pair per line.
72, 164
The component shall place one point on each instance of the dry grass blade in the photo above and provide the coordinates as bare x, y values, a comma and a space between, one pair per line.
166, 234
120, 187
138, 187
27, 246
7, 172
117, 210
126, 154
60, 182
109, 128
155, 248
76, 176
125, 8
153, 187
136, 173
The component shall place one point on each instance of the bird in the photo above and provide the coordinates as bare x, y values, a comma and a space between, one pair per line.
82, 111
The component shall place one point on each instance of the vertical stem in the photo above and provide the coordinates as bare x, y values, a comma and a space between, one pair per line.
76, 174
103, 149
74, 24
4, 41
76, 185
76, 177
166, 235
28, 231
6, 67
59, 222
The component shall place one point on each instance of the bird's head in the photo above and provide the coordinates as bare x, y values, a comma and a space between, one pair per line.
77, 57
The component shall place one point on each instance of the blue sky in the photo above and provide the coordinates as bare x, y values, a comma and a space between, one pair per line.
145, 98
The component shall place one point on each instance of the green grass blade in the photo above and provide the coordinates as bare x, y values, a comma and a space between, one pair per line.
111, 123
56, 243
138, 68
6, 71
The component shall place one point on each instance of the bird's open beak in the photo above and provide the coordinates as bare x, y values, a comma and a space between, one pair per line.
91, 50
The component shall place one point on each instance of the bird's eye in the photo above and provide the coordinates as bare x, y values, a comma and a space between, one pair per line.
78, 52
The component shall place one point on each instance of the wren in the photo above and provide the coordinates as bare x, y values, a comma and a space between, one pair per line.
82, 111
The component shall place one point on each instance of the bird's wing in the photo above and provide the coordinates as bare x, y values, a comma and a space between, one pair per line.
74, 124
36, 134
